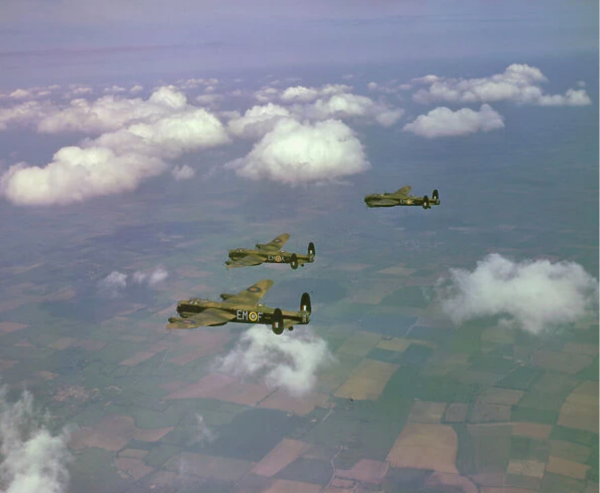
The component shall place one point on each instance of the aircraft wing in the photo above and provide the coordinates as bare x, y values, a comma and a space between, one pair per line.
385, 202
275, 244
210, 316
252, 295
404, 191
245, 261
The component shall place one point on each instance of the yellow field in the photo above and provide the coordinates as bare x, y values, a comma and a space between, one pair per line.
580, 409
286, 452
426, 412
360, 343
565, 467
425, 446
367, 381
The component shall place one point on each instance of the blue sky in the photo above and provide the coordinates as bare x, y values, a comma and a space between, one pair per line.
226, 34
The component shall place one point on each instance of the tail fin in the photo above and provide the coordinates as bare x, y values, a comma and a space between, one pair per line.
305, 305
311, 249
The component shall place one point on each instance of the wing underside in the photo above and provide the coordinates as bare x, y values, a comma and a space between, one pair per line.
386, 202
246, 261
210, 316
275, 244
251, 295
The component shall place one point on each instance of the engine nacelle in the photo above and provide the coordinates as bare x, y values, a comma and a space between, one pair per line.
305, 305
277, 324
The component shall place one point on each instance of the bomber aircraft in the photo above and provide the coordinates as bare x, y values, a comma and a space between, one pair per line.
270, 253
243, 307
402, 197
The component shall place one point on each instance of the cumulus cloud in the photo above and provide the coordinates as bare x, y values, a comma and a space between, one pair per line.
201, 433
532, 295
145, 135
151, 278
136, 88
184, 172
519, 83
33, 460
287, 361
295, 152
443, 122
116, 282
112, 284
266, 94
301, 94
347, 105
257, 121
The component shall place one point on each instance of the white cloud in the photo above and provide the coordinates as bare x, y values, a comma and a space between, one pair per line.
288, 361
161, 128
301, 94
443, 122
202, 433
112, 284
347, 106
533, 295
33, 461
209, 100
299, 153
114, 89
519, 83
116, 282
257, 121
25, 114
136, 88
184, 172
266, 94
111, 113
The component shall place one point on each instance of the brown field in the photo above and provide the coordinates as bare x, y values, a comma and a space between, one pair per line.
223, 387
397, 270
372, 294
502, 489
395, 344
200, 343
495, 395
134, 453
456, 412
282, 401
367, 381
489, 413
564, 362
133, 467
425, 446
207, 466
531, 468
426, 412
137, 358
285, 486
151, 435
286, 452
498, 335
565, 467
9, 327
581, 348
111, 433
368, 471
569, 451
531, 430
360, 343
580, 409
444, 481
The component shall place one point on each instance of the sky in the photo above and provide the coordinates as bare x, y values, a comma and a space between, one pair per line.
239, 34
113, 113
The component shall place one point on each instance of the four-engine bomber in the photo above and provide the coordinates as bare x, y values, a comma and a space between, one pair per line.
402, 197
243, 307
270, 253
